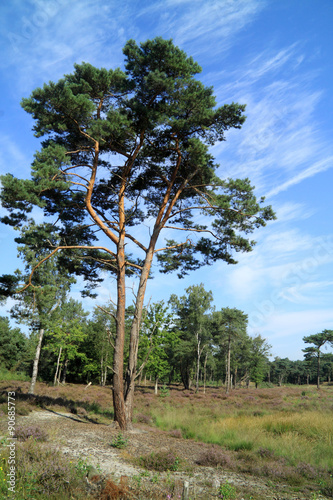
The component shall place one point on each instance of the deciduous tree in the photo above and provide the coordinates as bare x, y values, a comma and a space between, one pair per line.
37, 303
12, 344
192, 323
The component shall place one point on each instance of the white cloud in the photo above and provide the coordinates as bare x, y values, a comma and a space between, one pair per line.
302, 323
204, 25
267, 62
312, 292
316, 168
11, 154
292, 211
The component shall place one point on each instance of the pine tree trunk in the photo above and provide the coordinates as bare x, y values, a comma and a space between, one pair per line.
36, 361
134, 335
118, 360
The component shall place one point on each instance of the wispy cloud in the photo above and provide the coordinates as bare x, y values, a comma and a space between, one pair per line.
281, 142
292, 211
44, 43
208, 28
319, 166
301, 323
11, 154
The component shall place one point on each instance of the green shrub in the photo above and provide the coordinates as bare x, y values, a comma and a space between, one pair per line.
164, 392
119, 442
227, 491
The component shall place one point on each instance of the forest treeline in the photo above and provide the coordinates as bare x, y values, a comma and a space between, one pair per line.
185, 341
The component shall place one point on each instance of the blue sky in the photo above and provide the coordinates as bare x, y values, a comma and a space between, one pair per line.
273, 55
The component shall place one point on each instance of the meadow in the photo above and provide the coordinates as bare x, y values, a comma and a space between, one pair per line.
279, 435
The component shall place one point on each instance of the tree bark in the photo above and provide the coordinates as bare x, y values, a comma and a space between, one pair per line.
64, 371
57, 369
228, 366
185, 376
102, 372
118, 360
204, 381
198, 363
318, 371
36, 361
134, 334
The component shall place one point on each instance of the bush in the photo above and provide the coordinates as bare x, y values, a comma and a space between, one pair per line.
161, 461
164, 392
176, 433
214, 457
143, 419
44, 471
266, 453
227, 491
119, 442
33, 431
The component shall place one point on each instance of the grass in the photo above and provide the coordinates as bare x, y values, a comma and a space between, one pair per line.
44, 473
298, 436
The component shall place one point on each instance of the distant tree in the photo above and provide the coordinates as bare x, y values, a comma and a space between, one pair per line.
66, 337
280, 368
298, 372
259, 352
327, 365
191, 310
37, 303
230, 325
13, 345
319, 340
157, 340
123, 147
99, 344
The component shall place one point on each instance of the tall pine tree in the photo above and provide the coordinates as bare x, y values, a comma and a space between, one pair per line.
120, 148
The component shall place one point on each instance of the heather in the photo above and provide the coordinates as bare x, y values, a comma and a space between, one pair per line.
282, 435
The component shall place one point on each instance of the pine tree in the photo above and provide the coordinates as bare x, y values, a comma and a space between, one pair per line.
123, 147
